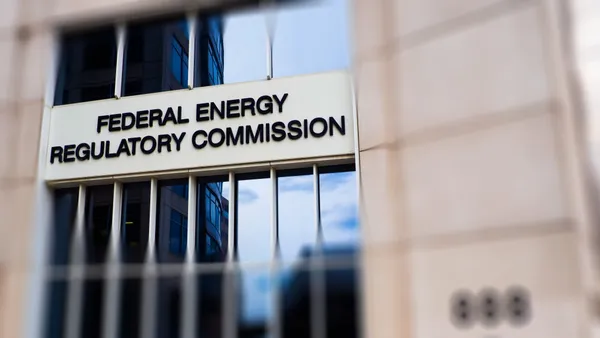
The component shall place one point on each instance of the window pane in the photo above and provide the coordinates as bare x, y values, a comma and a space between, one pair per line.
210, 55
129, 321
93, 297
299, 48
339, 209
342, 295
297, 229
98, 222
254, 219
296, 300
87, 66
56, 308
209, 321
254, 305
136, 213
211, 228
171, 222
169, 307
153, 50
65, 209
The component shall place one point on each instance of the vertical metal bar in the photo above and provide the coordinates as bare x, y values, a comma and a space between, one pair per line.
269, 59
189, 300
74, 313
232, 218
275, 251
113, 271
149, 289
316, 267
229, 321
192, 22
121, 32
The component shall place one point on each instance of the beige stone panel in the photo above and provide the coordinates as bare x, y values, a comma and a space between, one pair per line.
30, 120
545, 265
386, 296
36, 53
16, 211
13, 295
8, 140
377, 200
370, 20
502, 176
9, 11
415, 15
371, 97
488, 68
7, 67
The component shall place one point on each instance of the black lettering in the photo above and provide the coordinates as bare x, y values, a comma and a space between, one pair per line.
178, 140
194, 141
295, 132
234, 139
164, 140
102, 121
341, 128
123, 147
267, 134
312, 127
180, 119
141, 119
233, 105
100, 153
128, 121
82, 153
169, 117
280, 102
134, 141
148, 139
267, 107
278, 131
114, 121
156, 116
254, 137
69, 155
57, 153
211, 140
202, 112
247, 104
108, 153
305, 128
214, 108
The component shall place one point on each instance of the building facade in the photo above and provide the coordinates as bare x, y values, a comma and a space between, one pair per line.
469, 128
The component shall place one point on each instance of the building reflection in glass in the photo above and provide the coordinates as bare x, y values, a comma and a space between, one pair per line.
88, 66
212, 221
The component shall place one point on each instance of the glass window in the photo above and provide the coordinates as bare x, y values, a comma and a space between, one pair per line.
87, 66
134, 227
98, 222
155, 57
253, 228
297, 230
171, 222
65, 209
254, 306
211, 228
210, 54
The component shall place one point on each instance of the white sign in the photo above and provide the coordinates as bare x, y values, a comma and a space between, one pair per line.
282, 119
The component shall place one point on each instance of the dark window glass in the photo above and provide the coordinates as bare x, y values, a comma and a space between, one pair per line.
211, 227
296, 299
134, 227
171, 222
210, 54
93, 297
98, 219
210, 304
341, 297
87, 66
130, 315
169, 307
56, 305
155, 57
65, 209
178, 233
